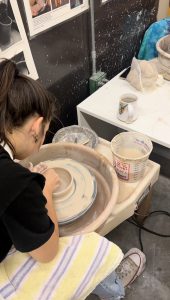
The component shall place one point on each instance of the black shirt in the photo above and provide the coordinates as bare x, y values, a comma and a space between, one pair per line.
23, 217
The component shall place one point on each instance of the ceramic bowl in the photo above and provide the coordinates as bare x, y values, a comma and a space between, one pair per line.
78, 135
66, 184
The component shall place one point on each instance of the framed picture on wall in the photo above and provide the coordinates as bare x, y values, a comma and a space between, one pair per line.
13, 40
43, 14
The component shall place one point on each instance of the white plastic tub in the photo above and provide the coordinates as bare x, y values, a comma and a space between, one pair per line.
130, 154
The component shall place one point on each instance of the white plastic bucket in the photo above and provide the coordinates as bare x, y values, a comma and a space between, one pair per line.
130, 154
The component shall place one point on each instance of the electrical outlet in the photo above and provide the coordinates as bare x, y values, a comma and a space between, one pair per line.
96, 81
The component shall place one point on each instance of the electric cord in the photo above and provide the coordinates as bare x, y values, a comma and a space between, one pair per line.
143, 228
140, 239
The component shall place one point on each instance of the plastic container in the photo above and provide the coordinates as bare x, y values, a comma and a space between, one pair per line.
130, 154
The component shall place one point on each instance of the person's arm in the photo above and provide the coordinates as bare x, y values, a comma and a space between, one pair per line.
48, 251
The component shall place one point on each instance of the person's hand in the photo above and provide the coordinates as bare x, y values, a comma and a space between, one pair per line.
40, 168
52, 180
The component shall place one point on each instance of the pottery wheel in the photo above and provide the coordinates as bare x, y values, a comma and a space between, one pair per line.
80, 197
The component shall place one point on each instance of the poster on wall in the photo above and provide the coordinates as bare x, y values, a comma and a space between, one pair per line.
13, 40
43, 14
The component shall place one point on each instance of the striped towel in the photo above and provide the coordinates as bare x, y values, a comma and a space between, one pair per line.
82, 262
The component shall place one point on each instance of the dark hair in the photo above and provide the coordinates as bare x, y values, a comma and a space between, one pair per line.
20, 98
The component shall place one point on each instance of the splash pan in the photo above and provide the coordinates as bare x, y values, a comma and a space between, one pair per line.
106, 178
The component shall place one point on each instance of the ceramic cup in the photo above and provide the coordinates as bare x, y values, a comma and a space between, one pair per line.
128, 109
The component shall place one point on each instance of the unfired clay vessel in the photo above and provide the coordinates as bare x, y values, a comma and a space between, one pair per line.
163, 48
107, 184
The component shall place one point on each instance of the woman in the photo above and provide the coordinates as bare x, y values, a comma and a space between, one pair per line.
41, 265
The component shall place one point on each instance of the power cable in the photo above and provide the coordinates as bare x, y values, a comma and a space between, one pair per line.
142, 227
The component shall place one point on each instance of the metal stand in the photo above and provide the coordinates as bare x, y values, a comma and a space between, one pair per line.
144, 208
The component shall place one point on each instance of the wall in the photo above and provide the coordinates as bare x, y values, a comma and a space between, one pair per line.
62, 54
163, 9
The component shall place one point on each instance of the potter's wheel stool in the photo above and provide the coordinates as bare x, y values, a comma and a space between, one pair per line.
133, 197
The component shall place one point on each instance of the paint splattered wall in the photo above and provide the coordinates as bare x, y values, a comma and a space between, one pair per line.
120, 30
62, 54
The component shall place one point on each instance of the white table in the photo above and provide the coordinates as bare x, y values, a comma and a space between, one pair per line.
99, 111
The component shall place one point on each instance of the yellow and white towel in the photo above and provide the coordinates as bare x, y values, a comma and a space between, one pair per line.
82, 262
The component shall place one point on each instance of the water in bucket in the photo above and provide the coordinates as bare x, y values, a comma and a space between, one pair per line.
130, 154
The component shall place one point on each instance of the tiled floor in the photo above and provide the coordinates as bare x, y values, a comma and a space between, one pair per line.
155, 281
